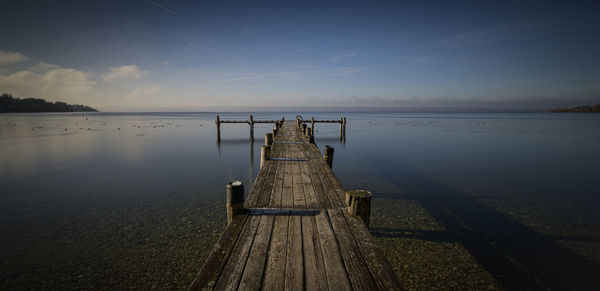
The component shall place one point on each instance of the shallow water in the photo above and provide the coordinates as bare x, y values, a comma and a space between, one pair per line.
460, 200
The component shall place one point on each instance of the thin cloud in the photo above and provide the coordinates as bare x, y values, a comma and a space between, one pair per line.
161, 7
123, 72
426, 60
341, 57
43, 67
141, 92
485, 36
11, 57
54, 83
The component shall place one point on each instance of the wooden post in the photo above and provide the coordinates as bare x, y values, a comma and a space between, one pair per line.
309, 135
265, 154
312, 124
218, 123
268, 138
275, 128
235, 200
341, 126
328, 155
251, 122
359, 204
304, 128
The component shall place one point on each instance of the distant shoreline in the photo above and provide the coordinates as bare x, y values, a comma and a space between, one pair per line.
10, 104
579, 109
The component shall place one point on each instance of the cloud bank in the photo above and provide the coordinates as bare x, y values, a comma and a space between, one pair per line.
55, 83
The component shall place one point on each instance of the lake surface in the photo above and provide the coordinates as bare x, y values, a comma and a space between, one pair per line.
469, 201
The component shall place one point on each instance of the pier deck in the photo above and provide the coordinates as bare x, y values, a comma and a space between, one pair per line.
295, 233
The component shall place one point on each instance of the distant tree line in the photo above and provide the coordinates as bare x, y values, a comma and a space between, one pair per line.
8, 103
585, 108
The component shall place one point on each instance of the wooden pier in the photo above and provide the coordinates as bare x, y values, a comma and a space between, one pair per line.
294, 230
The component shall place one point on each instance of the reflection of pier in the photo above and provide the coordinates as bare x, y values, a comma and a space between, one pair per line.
237, 141
297, 229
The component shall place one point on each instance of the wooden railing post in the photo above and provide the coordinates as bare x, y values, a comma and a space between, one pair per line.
359, 204
304, 128
309, 135
265, 155
312, 124
268, 138
328, 155
218, 123
235, 200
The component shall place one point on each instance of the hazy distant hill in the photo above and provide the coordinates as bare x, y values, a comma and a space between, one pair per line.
585, 108
10, 104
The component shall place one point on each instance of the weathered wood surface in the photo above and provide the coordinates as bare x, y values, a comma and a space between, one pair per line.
296, 233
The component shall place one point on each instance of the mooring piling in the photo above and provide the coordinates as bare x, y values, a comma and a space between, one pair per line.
328, 155
359, 204
268, 138
265, 155
235, 200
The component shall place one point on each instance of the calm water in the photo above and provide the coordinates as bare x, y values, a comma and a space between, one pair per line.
461, 200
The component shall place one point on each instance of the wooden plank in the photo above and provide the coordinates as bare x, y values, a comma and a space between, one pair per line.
258, 185
253, 272
382, 272
322, 200
336, 185
299, 196
275, 201
232, 273
214, 264
358, 272
322, 173
287, 197
337, 278
265, 194
275, 269
294, 265
309, 191
313, 258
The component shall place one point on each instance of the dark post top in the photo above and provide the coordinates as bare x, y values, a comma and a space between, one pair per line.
235, 192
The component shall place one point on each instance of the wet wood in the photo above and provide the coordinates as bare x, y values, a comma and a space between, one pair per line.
294, 265
211, 270
253, 272
357, 269
232, 273
275, 269
332, 258
313, 256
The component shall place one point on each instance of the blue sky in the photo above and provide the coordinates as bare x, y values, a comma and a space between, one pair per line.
167, 54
